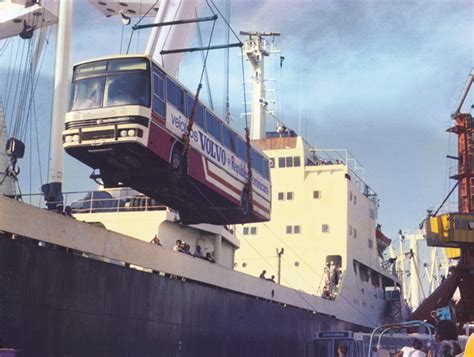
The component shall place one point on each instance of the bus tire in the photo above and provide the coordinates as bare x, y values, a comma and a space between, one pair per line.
245, 204
177, 162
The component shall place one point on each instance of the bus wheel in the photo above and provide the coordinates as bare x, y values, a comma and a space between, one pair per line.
245, 204
177, 162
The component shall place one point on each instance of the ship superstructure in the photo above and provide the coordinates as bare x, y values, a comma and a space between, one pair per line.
324, 216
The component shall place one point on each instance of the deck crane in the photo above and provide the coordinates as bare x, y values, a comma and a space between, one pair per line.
455, 231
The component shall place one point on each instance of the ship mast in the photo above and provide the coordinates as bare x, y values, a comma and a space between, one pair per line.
53, 189
257, 48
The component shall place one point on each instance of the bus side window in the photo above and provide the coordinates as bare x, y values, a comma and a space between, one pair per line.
158, 94
241, 148
257, 162
213, 126
175, 95
228, 138
266, 169
198, 113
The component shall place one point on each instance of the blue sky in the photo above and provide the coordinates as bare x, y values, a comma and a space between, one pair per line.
379, 78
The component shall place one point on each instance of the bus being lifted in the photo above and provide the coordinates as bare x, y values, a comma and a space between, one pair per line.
129, 119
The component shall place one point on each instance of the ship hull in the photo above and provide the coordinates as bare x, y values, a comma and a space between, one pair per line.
54, 302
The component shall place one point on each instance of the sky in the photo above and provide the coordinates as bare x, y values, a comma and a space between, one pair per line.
379, 78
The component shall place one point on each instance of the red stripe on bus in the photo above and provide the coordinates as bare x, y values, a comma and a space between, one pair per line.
222, 181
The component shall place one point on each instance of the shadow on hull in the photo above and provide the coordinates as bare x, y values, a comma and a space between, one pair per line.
56, 303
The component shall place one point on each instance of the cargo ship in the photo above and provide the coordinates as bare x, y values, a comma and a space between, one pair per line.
108, 276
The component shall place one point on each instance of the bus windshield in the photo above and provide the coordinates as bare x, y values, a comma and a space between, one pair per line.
111, 83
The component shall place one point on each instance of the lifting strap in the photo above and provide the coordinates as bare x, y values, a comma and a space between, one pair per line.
189, 128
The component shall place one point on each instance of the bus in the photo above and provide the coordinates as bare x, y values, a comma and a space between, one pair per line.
127, 118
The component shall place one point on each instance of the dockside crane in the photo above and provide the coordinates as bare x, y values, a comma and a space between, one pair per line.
455, 231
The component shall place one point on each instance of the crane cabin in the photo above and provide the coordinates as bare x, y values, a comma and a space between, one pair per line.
129, 120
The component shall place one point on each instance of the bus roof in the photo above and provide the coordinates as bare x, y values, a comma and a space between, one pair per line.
104, 58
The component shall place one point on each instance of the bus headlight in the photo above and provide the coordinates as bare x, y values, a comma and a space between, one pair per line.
123, 133
131, 132
75, 138
68, 138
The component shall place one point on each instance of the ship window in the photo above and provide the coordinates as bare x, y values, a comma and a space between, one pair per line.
297, 229
213, 126
198, 112
375, 277
246, 230
271, 162
316, 195
372, 214
350, 196
355, 199
175, 95
281, 196
355, 233
350, 230
364, 273
371, 243
296, 161
281, 162
471, 225
289, 229
289, 195
253, 230
289, 161
325, 228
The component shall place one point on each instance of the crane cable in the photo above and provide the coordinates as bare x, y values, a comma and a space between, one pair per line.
189, 127
247, 130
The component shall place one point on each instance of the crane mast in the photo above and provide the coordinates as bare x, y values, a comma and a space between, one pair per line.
455, 231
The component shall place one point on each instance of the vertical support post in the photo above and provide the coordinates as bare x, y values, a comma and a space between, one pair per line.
217, 248
402, 264
53, 189
279, 254
414, 279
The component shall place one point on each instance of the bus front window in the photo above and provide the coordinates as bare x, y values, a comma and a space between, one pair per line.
127, 89
87, 93
111, 83
344, 348
322, 348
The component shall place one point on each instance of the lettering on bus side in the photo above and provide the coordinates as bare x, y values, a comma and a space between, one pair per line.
211, 148
181, 125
